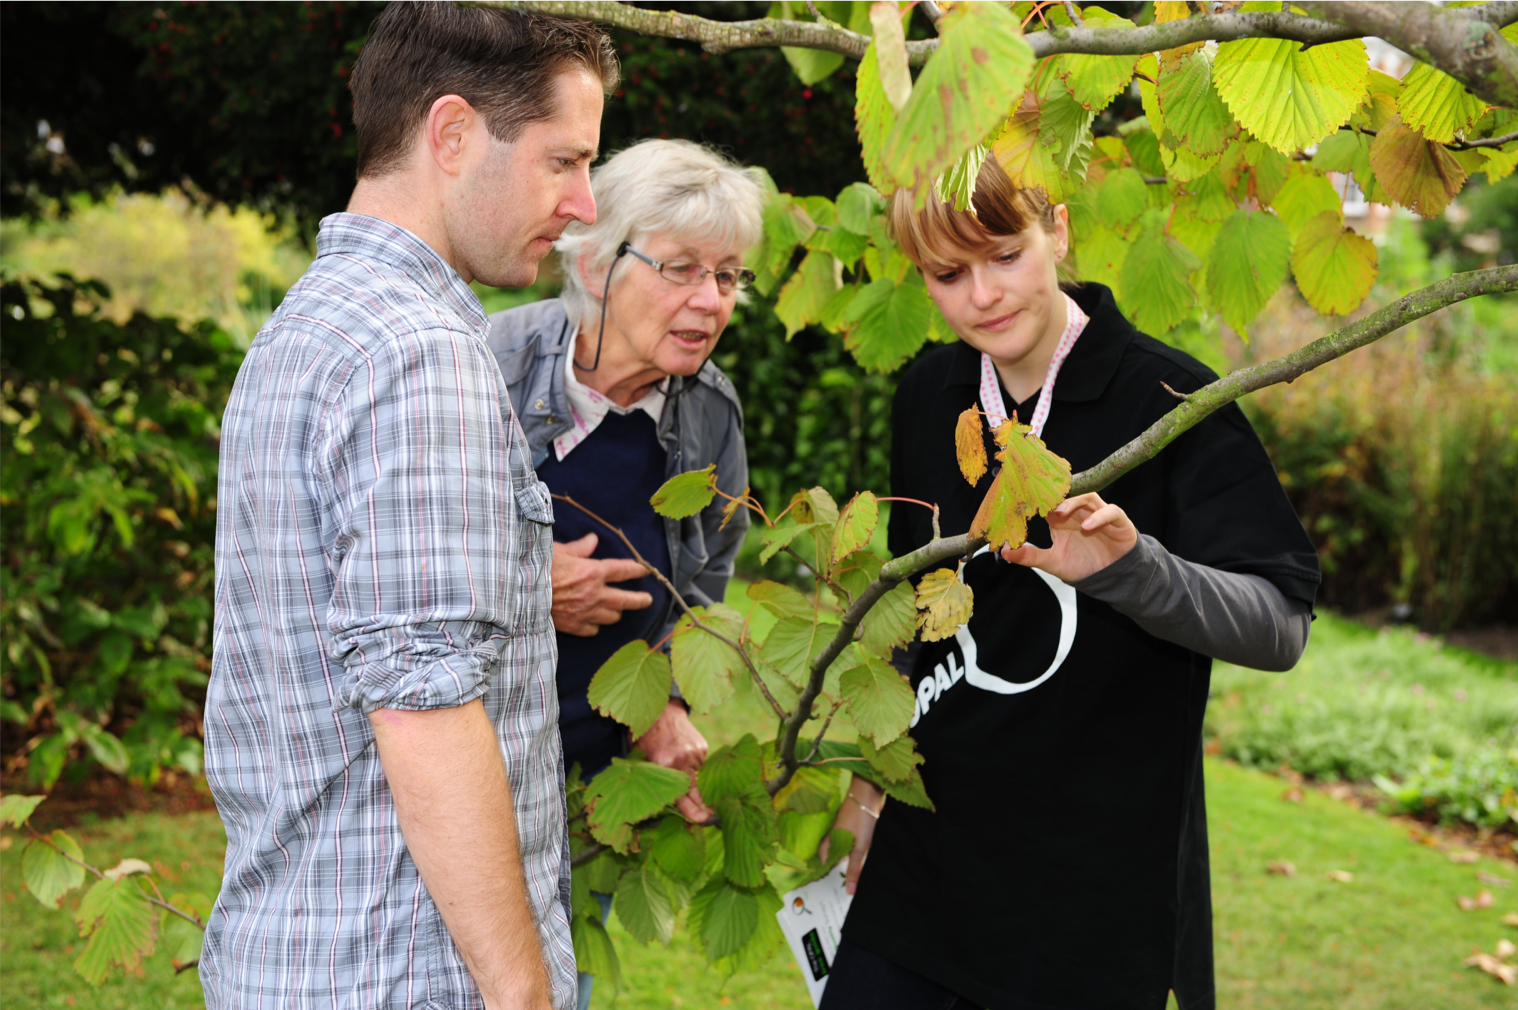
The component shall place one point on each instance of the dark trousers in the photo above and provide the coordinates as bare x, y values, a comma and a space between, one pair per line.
863, 980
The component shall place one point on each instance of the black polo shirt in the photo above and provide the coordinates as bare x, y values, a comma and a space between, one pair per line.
1066, 864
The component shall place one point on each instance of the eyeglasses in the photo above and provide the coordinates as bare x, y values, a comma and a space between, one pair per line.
729, 279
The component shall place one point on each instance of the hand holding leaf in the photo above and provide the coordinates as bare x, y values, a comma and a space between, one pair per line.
1032, 481
1089, 534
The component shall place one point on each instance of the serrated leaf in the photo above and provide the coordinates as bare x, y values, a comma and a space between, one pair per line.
686, 494
1418, 173
1123, 196
1032, 481
911, 792
679, 848
857, 204
765, 942
1156, 282
594, 953
956, 187
703, 665
120, 923
1100, 256
1287, 96
14, 809
1096, 80
1334, 267
890, 623
814, 505
945, 602
642, 905
628, 792
888, 323
792, 644
1205, 199
891, 53
632, 686
1436, 105
846, 248
810, 791
748, 838
1064, 129
874, 119
1499, 162
48, 872
1349, 153
1143, 149
734, 770
970, 445
1181, 165
780, 600
1247, 264
879, 700
1195, 117
181, 938
776, 540
962, 93
1303, 198
806, 294
856, 572
602, 874
856, 524
1029, 161
724, 917
896, 761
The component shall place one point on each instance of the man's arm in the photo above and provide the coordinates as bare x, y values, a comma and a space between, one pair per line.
453, 801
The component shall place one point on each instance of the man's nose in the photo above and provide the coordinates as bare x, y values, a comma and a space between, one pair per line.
579, 203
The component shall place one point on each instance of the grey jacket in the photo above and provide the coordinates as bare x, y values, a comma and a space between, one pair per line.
702, 424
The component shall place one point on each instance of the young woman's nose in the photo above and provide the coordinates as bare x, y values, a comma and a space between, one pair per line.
983, 294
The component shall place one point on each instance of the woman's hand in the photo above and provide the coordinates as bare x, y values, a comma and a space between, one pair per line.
859, 813
673, 741
1089, 534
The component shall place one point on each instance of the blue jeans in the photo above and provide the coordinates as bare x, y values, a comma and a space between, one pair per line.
587, 982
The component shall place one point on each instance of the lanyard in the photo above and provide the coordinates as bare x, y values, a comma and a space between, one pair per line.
990, 386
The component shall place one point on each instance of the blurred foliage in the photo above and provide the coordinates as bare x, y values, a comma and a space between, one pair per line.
164, 256
109, 436
1481, 229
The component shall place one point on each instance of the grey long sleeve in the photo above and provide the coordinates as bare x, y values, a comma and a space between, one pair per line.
1241, 619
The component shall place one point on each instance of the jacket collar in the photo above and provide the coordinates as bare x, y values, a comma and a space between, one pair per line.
372, 238
1092, 362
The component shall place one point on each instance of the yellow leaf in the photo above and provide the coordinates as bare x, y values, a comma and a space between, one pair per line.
1418, 173
1032, 481
946, 604
1334, 267
970, 446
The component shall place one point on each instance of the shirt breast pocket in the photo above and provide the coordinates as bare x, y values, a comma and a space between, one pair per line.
534, 502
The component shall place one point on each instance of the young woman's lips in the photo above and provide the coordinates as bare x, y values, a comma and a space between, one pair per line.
998, 324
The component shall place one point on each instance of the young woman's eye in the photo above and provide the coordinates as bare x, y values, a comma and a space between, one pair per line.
946, 277
1008, 258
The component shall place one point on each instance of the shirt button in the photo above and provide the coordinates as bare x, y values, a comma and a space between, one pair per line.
552, 419
537, 404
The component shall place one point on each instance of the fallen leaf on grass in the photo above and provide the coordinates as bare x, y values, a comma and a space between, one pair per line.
1464, 856
1342, 876
1423, 838
1493, 879
1505, 949
1483, 899
1339, 791
1284, 867
1510, 919
1292, 795
1494, 967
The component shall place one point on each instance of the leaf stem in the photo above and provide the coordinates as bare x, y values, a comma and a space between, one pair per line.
100, 875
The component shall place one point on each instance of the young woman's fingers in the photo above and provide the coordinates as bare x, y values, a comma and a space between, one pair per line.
1027, 555
1107, 516
1090, 501
856, 865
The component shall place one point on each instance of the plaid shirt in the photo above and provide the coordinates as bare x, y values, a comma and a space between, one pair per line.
381, 542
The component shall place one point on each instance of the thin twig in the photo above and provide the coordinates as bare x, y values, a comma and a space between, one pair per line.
1466, 145
817, 743
1075, 13
101, 875
675, 594
1178, 396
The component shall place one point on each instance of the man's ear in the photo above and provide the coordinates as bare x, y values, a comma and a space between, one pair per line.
450, 131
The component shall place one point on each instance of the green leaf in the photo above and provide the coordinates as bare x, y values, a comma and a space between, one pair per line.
856, 524
792, 644
679, 848
1156, 281
704, 666
748, 838
879, 699
1064, 130
1096, 80
1032, 481
1419, 174
120, 923
806, 294
890, 623
780, 600
1287, 96
846, 247
632, 686
602, 874
115, 653
594, 953
1499, 162
724, 917
764, 943
874, 119
1205, 199
1334, 267
896, 761
629, 792
956, 187
888, 323
1101, 255
1303, 198
1195, 117
1436, 105
854, 573
643, 906
1349, 153
48, 872
814, 505
105, 748
857, 204
963, 92
840, 844
890, 46
686, 494
1248, 263
812, 65
775, 540
911, 792
181, 938
810, 791
14, 810
1123, 196
734, 770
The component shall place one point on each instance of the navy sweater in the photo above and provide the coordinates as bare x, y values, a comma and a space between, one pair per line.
613, 473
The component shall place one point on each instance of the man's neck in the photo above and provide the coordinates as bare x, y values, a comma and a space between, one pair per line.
1025, 377
618, 378
401, 199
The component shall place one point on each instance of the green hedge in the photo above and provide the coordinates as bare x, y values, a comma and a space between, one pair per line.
108, 435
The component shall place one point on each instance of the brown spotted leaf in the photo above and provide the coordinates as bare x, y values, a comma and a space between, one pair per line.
1419, 174
970, 446
1032, 481
946, 604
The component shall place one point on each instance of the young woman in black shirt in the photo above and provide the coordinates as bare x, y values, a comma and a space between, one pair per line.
1065, 865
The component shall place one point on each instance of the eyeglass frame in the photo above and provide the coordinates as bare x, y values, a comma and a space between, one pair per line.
744, 277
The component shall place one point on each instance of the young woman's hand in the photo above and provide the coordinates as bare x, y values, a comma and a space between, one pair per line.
1088, 533
858, 814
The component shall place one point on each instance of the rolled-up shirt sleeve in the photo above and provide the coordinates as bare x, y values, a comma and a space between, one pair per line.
421, 503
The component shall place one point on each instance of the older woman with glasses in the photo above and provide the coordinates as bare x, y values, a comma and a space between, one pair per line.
614, 385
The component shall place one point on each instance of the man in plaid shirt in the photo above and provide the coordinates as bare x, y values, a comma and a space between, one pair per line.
381, 731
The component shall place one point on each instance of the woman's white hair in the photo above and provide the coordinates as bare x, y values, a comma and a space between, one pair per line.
672, 188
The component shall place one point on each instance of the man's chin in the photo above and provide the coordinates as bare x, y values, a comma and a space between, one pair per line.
520, 274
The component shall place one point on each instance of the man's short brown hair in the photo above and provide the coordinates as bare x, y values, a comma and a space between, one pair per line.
1001, 210
502, 62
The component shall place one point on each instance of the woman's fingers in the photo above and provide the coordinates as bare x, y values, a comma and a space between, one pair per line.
1027, 555
1090, 501
1107, 515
